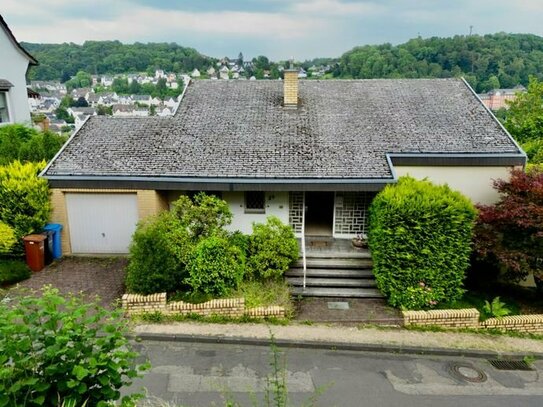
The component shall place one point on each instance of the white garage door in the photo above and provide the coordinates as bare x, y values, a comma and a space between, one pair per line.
101, 223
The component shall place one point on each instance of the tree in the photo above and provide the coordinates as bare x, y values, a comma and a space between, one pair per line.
524, 120
102, 110
81, 102
509, 234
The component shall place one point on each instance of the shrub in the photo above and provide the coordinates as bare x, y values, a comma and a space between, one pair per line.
240, 240
7, 238
509, 234
216, 267
25, 199
158, 254
55, 348
162, 246
272, 248
13, 271
420, 238
204, 216
19, 142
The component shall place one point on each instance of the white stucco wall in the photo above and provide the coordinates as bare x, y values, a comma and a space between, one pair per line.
13, 66
474, 182
276, 204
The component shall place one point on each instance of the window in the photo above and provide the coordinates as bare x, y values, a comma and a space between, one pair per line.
4, 114
255, 202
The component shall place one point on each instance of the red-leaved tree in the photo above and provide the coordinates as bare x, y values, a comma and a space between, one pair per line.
509, 234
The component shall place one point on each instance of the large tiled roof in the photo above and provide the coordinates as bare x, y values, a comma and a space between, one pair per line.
238, 129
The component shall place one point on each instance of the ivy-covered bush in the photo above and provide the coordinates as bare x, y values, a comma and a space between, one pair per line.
25, 199
63, 348
215, 267
160, 249
7, 238
272, 248
420, 236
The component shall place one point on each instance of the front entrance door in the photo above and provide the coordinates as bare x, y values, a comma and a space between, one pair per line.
319, 213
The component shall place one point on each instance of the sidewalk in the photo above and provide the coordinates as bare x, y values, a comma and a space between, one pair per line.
348, 338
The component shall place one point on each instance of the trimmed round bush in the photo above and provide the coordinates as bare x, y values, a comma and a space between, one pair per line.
420, 240
215, 267
272, 248
158, 254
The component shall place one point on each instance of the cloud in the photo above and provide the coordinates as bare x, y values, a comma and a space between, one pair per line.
337, 7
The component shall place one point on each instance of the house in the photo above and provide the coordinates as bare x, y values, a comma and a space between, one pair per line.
275, 148
142, 99
498, 98
195, 73
14, 63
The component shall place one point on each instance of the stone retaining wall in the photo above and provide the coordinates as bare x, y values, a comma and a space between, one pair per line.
134, 304
469, 318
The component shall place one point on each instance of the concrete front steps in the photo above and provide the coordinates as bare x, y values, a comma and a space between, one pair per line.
335, 274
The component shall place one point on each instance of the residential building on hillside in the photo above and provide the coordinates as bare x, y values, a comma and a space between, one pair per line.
498, 98
14, 63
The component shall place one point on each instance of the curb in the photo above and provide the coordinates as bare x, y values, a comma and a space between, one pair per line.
358, 347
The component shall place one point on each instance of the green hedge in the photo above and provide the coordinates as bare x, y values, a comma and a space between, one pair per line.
420, 239
25, 199
12, 271
8, 238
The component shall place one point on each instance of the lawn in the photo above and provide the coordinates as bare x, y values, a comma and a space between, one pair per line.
12, 271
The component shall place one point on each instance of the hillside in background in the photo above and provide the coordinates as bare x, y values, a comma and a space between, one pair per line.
487, 62
61, 61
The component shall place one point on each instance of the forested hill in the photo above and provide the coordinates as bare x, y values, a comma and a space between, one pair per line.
60, 61
487, 62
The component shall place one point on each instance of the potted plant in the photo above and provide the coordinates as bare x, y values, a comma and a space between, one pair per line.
360, 240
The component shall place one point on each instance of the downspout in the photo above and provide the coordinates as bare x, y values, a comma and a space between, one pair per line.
304, 259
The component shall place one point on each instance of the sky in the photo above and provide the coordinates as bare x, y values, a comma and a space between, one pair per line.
279, 29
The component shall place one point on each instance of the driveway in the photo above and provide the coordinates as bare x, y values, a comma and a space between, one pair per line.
102, 277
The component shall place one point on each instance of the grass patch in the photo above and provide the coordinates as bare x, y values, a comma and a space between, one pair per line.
12, 271
266, 293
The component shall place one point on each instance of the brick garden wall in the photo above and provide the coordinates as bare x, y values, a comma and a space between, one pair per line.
134, 304
469, 318
448, 318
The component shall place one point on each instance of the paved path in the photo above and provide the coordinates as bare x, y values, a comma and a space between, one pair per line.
192, 374
103, 277
336, 334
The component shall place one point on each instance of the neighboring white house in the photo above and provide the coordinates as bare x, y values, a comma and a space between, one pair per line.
14, 62
195, 73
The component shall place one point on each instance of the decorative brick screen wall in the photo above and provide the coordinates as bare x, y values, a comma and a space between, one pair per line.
295, 210
352, 216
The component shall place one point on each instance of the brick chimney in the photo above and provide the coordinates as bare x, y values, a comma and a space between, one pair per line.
290, 88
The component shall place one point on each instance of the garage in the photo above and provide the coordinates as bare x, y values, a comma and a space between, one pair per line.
101, 223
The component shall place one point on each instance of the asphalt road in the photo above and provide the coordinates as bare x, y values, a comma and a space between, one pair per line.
194, 374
